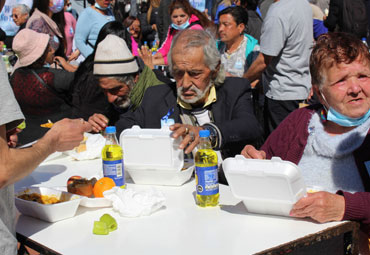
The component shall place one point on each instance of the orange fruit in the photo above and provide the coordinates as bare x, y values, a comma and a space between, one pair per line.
102, 185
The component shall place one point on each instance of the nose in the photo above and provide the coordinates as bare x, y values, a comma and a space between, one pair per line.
354, 86
186, 81
111, 97
220, 28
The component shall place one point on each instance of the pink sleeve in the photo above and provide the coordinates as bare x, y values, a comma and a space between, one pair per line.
134, 47
166, 45
197, 27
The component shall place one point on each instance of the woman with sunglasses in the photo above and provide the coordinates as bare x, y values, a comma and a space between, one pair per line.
20, 15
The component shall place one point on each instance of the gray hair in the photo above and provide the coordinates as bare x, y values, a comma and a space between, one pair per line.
192, 38
24, 9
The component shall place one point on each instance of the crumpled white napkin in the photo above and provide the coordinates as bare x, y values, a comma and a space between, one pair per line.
94, 146
130, 203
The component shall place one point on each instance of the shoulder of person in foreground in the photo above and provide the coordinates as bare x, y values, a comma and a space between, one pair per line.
154, 98
234, 86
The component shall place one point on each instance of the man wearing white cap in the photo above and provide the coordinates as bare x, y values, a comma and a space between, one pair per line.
16, 164
119, 77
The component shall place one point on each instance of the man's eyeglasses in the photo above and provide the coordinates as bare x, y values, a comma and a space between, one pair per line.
14, 16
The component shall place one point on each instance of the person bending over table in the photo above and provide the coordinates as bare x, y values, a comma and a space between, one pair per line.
330, 142
201, 98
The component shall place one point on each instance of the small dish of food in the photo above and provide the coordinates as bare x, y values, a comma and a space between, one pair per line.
85, 188
46, 203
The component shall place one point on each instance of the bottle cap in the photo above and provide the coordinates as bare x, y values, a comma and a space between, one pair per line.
204, 133
110, 130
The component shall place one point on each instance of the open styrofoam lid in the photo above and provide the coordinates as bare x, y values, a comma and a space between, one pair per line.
151, 148
274, 179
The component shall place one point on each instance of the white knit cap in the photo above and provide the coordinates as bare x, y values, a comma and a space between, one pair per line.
113, 58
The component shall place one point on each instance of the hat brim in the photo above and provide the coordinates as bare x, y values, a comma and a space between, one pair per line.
115, 68
36, 53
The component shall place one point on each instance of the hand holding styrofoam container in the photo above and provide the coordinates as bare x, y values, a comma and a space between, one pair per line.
265, 186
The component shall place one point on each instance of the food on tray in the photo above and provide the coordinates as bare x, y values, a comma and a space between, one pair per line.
105, 225
102, 185
89, 188
82, 146
81, 186
42, 199
49, 124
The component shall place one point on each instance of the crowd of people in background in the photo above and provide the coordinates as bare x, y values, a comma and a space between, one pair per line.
287, 78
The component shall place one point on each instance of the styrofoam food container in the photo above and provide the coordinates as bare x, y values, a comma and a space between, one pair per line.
50, 212
96, 202
265, 186
151, 150
91, 202
161, 177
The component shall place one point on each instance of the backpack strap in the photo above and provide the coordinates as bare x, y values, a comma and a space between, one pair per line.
50, 88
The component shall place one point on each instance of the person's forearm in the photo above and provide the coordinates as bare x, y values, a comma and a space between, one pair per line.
15, 164
256, 69
70, 68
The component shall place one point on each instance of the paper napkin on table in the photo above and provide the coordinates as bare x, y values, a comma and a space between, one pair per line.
130, 203
94, 146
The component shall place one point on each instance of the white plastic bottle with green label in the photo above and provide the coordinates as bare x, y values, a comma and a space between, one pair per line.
206, 172
112, 156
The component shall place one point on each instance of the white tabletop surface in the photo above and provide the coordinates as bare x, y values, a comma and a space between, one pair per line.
180, 228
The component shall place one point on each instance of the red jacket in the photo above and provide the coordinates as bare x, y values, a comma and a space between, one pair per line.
288, 142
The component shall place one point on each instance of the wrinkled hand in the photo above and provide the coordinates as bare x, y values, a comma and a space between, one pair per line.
154, 27
98, 122
66, 134
12, 137
74, 55
250, 152
189, 133
146, 55
321, 206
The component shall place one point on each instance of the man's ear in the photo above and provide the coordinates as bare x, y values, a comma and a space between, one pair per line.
241, 28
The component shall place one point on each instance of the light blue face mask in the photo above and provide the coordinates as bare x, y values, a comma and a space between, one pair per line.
99, 7
181, 27
343, 120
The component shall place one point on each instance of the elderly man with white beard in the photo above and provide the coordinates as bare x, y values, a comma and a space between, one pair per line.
200, 98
